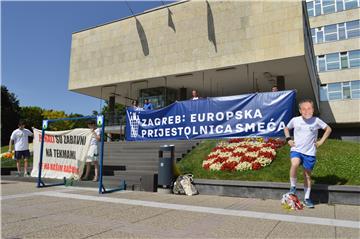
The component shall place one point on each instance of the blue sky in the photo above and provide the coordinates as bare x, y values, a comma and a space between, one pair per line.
36, 43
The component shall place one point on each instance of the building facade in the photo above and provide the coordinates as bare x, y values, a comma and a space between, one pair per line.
222, 48
335, 28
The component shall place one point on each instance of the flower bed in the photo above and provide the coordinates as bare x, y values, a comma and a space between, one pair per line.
242, 154
7, 155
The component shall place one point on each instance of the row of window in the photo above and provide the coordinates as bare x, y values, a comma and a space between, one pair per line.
320, 7
340, 91
339, 60
336, 32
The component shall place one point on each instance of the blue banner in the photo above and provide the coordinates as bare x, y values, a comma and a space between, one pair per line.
251, 115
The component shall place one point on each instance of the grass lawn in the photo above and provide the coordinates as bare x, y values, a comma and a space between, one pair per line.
338, 163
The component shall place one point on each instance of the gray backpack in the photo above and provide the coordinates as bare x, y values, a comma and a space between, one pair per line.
184, 185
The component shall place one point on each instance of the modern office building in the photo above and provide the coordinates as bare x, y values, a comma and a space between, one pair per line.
220, 48
335, 28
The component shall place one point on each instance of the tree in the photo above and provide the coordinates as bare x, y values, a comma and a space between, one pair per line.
10, 114
33, 116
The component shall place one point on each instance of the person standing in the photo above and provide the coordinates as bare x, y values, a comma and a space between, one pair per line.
304, 145
194, 95
148, 105
20, 138
92, 155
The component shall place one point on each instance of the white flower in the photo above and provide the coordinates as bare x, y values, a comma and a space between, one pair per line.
243, 166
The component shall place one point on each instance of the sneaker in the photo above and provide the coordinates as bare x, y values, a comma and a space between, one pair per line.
17, 174
308, 203
292, 190
26, 174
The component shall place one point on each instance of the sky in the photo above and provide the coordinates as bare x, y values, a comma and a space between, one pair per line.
36, 44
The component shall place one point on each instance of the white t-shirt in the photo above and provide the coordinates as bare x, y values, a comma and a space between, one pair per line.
93, 140
306, 133
21, 139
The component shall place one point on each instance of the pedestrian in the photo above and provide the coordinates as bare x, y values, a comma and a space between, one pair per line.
274, 88
93, 153
194, 95
304, 145
147, 105
20, 138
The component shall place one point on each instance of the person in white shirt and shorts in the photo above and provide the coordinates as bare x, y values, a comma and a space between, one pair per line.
304, 145
20, 137
93, 153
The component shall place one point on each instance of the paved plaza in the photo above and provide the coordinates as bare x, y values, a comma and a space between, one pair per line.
74, 212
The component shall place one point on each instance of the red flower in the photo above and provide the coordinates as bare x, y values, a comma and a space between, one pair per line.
266, 154
238, 154
256, 166
206, 166
247, 159
229, 166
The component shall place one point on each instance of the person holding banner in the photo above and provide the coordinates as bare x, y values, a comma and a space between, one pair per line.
92, 155
20, 137
194, 95
304, 144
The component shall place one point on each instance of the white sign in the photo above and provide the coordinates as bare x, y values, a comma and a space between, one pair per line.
64, 153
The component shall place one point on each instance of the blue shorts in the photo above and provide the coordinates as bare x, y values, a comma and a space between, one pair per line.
307, 161
23, 153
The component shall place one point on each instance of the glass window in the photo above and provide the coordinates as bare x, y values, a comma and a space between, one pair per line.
317, 7
355, 85
331, 32
353, 28
321, 63
339, 5
354, 58
310, 8
328, 6
346, 90
344, 60
341, 30
349, 4
355, 89
323, 93
332, 61
320, 35
313, 35
334, 91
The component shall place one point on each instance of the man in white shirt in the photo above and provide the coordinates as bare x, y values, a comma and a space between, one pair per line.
20, 138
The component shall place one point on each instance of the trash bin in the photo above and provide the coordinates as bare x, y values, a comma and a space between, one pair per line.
166, 164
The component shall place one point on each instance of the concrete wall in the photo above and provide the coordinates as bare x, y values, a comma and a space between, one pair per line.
340, 111
186, 37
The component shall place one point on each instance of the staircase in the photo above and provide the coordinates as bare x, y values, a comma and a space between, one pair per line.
137, 162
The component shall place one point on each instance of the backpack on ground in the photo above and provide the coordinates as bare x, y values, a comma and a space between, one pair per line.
184, 185
291, 201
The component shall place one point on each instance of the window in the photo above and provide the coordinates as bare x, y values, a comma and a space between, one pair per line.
328, 6
355, 89
332, 61
338, 91
350, 4
353, 28
342, 32
344, 60
313, 35
354, 58
310, 8
317, 7
339, 5
323, 93
331, 32
320, 34
346, 90
321, 63
334, 91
